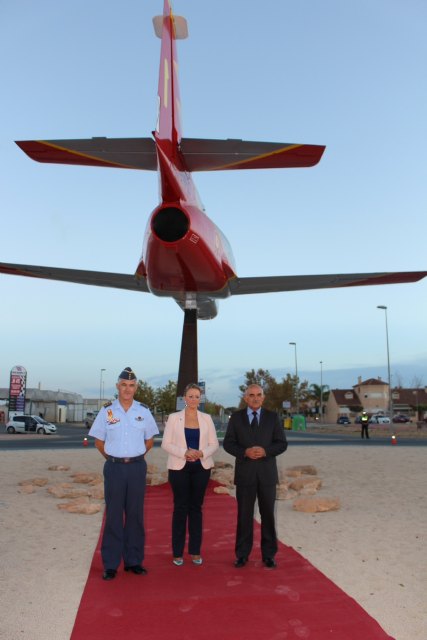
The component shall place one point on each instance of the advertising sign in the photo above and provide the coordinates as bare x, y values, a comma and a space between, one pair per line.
17, 388
202, 385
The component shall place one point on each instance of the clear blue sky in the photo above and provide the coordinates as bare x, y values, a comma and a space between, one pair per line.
350, 75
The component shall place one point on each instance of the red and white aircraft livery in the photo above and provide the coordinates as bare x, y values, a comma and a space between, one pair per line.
185, 255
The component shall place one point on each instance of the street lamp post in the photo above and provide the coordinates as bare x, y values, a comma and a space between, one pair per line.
294, 344
321, 391
390, 395
100, 388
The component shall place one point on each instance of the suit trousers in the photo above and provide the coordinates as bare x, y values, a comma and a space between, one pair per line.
189, 488
246, 496
124, 534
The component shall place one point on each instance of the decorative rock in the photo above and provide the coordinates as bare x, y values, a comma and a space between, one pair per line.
222, 465
27, 488
316, 505
37, 482
152, 469
299, 470
306, 484
224, 476
222, 489
86, 509
96, 481
97, 492
284, 493
85, 478
59, 467
66, 490
80, 506
155, 479
80, 500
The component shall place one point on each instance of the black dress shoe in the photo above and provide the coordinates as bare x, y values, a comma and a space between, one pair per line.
109, 574
240, 562
136, 568
270, 563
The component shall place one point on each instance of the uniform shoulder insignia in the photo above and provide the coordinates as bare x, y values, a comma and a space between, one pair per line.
143, 405
107, 404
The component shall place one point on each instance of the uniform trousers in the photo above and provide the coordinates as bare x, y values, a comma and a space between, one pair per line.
364, 430
188, 487
246, 496
124, 534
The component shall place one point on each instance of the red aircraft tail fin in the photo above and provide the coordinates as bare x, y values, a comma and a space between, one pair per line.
169, 28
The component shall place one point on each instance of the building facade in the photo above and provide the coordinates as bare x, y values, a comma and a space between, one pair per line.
372, 396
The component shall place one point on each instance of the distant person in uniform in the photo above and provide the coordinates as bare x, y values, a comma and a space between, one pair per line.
190, 440
123, 432
255, 437
364, 423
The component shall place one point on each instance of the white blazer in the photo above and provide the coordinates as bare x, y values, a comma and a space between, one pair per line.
175, 444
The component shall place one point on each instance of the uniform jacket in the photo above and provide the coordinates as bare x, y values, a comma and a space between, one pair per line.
175, 444
240, 436
124, 432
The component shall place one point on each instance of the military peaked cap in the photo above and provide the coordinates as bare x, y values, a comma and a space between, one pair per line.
127, 374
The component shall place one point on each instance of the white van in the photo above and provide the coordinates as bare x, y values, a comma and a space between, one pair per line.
27, 424
90, 418
379, 419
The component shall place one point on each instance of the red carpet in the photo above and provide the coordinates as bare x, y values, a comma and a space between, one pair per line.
216, 601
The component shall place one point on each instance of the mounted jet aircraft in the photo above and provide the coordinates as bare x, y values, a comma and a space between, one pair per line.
185, 256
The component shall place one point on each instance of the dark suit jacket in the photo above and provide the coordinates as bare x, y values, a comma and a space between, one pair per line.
269, 434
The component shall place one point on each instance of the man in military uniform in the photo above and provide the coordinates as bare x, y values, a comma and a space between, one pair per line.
123, 432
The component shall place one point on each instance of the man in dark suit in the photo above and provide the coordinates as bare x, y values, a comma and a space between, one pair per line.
255, 437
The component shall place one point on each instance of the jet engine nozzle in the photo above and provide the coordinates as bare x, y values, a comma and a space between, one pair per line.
170, 224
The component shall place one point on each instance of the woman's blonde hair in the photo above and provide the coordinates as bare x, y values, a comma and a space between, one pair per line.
192, 385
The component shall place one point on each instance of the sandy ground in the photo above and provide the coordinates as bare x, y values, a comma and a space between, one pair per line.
374, 547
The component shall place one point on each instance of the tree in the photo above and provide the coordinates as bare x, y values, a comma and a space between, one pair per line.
264, 379
275, 392
165, 397
145, 394
416, 382
319, 393
212, 408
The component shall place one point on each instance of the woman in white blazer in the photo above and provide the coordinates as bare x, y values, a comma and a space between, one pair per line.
190, 440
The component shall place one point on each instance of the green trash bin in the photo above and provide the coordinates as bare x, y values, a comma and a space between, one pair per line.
298, 423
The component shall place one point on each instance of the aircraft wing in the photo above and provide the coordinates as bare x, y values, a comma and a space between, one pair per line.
237, 286
199, 154
242, 286
97, 278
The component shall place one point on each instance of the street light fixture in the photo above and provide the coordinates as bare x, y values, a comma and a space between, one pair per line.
390, 395
294, 344
100, 388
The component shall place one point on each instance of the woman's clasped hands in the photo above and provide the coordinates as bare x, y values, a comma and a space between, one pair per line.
191, 455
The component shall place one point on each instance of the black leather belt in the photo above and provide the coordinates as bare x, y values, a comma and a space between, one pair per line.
125, 460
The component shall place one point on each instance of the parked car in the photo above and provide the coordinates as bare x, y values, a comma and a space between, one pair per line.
401, 418
379, 420
28, 423
90, 418
343, 420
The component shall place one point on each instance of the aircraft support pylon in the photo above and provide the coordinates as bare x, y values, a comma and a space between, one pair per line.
188, 361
